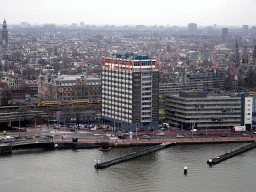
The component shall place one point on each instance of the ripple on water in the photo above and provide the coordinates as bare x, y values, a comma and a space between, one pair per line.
73, 170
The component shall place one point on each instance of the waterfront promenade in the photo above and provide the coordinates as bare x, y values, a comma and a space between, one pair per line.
169, 136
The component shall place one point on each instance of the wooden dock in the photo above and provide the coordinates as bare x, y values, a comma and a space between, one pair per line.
233, 153
132, 155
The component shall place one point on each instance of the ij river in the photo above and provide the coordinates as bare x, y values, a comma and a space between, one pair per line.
73, 170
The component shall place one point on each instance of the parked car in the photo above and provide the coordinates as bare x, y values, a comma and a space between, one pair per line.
145, 137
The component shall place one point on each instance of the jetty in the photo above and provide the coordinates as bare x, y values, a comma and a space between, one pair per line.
233, 153
133, 155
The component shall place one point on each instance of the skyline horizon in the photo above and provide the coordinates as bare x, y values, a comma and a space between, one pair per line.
177, 13
120, 25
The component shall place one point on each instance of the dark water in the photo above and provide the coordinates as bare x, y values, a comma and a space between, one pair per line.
73, 170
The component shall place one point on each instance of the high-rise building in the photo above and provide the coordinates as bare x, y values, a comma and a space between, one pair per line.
253, 29
224, 36
5, 34
245, 28
192, 27
130, 91
81, 24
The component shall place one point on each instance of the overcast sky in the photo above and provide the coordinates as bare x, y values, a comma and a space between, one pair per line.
131, 12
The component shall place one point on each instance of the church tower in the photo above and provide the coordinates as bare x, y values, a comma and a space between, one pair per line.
245, 56
5, 34
236, 56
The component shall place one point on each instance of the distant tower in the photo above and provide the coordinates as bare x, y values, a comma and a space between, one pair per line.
236, 51
254, 55
245, 55
81, 24
224, 36
5, 34
245, 28
192, 27
236, 55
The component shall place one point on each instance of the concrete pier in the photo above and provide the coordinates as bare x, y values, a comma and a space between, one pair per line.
132, 155
233, 153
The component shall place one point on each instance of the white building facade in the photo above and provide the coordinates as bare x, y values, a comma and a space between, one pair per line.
130, 91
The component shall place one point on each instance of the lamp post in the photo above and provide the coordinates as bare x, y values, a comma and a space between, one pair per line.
19, 126
136, 130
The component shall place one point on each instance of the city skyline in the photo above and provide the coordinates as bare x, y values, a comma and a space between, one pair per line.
180, 13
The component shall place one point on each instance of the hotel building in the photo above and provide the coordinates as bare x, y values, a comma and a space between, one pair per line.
130, 91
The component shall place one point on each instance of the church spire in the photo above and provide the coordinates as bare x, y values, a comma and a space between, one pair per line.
236, 51
245, 56
5, 33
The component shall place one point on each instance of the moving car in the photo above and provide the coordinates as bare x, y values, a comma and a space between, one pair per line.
145, 137
48, 136
121, 136
179, 136
160, 134
29, 137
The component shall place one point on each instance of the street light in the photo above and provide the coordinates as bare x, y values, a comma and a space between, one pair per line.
136, 130
19, 126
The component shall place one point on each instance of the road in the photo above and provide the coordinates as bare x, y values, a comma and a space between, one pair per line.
67, 134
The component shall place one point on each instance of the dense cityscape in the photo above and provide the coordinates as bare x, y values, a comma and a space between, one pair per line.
55, 72
164, 99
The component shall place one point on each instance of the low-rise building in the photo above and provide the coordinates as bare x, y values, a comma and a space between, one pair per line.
248, 109
68, 87
198, 110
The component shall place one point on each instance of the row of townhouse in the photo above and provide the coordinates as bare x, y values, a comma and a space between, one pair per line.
68, 87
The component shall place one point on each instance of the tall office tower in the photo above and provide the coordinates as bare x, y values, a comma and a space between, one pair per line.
81, 24
245, 28
130, 91
224, 36
5, 34
192, 27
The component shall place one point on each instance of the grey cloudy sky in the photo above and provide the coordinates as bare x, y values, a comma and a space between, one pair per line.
132, 12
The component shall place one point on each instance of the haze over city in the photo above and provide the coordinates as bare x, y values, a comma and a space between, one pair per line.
182, 12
